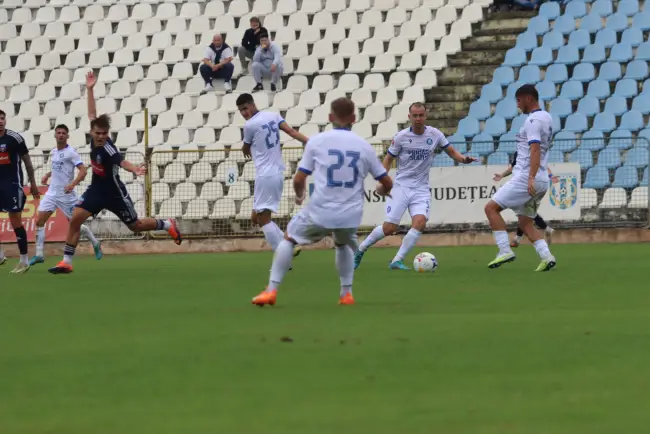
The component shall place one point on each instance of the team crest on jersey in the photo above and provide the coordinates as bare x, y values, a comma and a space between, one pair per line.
564, 193
429, 141
99, 159
3, 147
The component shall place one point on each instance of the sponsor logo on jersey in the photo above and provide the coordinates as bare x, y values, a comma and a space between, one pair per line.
98, 169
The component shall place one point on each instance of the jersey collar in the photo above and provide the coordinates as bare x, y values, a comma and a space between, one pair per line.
536, 110
411, 130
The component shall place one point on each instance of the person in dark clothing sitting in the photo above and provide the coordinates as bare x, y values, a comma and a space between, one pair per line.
250, 42
217, 63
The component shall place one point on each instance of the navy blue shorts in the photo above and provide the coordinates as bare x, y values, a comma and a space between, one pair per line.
118, 202
12, 197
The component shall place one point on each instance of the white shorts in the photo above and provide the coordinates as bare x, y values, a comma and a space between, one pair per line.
302, 230
514, 195
416, 200
65, 202
268, 192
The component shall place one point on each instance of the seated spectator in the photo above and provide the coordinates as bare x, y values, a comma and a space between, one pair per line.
250, 42
217, 63
267, 62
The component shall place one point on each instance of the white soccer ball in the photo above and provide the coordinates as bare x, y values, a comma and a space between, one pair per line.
425, 263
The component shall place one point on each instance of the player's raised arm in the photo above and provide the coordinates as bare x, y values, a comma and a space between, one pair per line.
91, 80
139, 170
457, 156
293, 133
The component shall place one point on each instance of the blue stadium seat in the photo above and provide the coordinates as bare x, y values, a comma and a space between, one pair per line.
609, 158
507, 109
616, 105
561, 107
605, 122
456, 140
557, 123
637, 157
632, 36
517, 123
483, 148
546, 90
550, 10
576, 123
495, 126
589, 106
584, 72
553, 40
565, 141
557, 73
620, 139
592, 140
498, 158
538, 25
564, 24
646, 86
644, 180
643, 51
568, 54
642, 20
636, 70
606, 38
572, 90
529, 74
480, 110
626, 177
617, 22
610, 71
576, 9
460, 146
628, 7
503, 75
601, 8
491, 92
642, 103
599, 89
621, 52
591, 23
526, 41
468, 127
508, 142
626, 88
594, 54
515, 57
583, 158
482, 137
632, 120
542, 56
643, 138
442, 160
597, 177
580, 39
555, 156
512, 89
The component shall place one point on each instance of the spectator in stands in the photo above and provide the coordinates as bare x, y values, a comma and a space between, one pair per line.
217, 63
267, 62
250, 42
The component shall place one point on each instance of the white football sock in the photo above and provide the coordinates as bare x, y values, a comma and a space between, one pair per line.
408, 243
376, 235
2, 252
501, 238
345, 266
281, 263
518, 238
542, 249
549, 229
273, 234
85, 231
40, 240
24, 259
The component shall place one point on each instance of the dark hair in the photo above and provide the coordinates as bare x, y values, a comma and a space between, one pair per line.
342, 108
255, 20
264, 35
245, 98
62, 127
2, 113
417, 105
102, 121
527, 90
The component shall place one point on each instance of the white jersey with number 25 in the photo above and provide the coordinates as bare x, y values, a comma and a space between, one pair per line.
339, 161
262, 133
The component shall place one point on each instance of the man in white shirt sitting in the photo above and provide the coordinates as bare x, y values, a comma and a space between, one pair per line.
217, 63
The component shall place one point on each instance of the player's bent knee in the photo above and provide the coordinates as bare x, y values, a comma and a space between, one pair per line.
389, 228
263, 217
419, 222
254, 217
492, 207
16, 219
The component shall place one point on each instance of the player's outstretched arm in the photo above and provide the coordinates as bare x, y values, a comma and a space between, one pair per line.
457, 156
90, 92
293, 133
388, 162
499, 176
138, 170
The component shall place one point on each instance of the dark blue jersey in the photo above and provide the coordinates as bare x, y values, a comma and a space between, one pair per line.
12, 148
105, 161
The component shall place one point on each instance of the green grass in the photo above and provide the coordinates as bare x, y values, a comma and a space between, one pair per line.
170, 344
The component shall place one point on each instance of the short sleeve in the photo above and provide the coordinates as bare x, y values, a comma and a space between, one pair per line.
376, 169
279, 119
226, 53
533, 130
21, 146
308, 160
208, 53
248, 134
443, 143
395, 146
75, 158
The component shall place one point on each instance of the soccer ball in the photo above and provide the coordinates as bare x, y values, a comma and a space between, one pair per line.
425, 263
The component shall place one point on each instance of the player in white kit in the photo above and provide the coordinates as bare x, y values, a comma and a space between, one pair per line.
339, 161
60, 194
262, 144
414, 149
524, 192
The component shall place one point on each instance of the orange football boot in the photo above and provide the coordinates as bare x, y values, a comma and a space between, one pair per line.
61, 268
347, 299
264, 298
174, 232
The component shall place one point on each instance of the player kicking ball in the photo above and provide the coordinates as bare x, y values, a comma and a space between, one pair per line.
13, 152
60, 193
525, 190
262, 144
339, 161
106, 190
414, 149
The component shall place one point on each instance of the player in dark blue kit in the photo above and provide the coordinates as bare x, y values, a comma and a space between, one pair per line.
13, 152
106, 191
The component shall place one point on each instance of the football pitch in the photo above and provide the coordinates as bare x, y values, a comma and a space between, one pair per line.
170, 344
